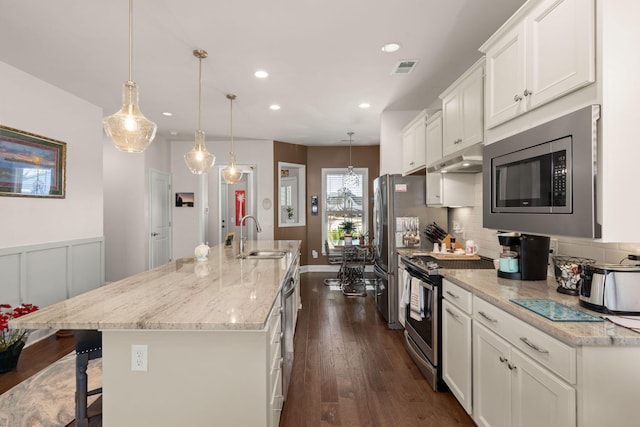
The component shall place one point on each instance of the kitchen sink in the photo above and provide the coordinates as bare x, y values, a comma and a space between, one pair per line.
265, 254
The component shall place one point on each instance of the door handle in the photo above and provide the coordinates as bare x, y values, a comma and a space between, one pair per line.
154, 234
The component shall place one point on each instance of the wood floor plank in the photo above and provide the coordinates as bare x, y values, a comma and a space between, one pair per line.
376, 381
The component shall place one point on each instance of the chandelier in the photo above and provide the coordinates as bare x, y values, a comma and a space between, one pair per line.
128, 128
350, 180
199, 160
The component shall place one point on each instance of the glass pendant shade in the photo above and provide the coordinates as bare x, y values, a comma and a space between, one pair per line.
231, 173
129, 129
199, 160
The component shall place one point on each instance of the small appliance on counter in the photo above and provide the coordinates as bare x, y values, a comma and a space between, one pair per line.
611, 288
524, 256
569, 272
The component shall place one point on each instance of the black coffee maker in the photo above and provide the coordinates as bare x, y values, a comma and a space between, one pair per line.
524, 256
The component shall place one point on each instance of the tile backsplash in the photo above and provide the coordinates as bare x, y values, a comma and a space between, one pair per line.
469, 222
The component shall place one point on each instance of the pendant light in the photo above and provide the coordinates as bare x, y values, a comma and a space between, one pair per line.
231, 173
129, 129
350, 180
199, 160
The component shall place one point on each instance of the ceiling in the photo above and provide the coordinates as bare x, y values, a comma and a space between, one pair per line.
324, 58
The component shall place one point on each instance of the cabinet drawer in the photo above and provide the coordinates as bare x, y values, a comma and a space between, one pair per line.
457, 296
541, 347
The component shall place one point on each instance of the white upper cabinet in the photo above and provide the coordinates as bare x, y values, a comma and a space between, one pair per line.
434, 138
414, 139
450, 189
463, 110
543, 52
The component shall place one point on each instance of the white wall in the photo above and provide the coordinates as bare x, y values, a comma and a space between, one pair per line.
126, 211
124, 214
34, 106
470, 219
391, 124
186, 232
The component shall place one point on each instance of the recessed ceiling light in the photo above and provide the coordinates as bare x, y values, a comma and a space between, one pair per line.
274, 107
173, 133
364, 105
261, 74
167, 113
390, 47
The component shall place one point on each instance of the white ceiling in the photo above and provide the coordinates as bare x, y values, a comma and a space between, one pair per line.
324, 58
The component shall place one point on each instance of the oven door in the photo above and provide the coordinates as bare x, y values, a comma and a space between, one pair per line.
424, 329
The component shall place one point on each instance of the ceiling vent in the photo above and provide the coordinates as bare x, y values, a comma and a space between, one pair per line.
405, 66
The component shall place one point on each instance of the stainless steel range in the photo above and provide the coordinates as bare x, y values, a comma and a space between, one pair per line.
423, 326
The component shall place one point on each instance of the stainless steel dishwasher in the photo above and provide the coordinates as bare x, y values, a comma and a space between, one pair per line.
289, 307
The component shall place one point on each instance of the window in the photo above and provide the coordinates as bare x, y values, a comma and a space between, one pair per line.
342, 204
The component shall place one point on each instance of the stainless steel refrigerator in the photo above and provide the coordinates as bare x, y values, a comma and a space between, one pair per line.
397, 196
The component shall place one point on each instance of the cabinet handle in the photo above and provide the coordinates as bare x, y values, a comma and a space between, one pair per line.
502, 359
533, 346
517, 98
455, 316
490, 319
527, 92
511, 367
451, 293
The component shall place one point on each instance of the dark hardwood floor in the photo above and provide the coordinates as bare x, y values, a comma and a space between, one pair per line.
349, 368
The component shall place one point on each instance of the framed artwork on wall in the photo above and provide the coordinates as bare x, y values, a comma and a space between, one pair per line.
184, 200
31, 165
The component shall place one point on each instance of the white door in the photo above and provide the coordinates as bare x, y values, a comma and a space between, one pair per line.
456, 353
506, 78
540, 398
491, 379
561, 49
159, 218
228, 211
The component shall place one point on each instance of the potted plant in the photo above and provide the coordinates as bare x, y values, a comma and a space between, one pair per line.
347, 227
289, 213
12, 340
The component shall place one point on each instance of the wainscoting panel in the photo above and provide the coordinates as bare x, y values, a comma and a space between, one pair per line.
46, 278
85, 273
10, 279
48, 273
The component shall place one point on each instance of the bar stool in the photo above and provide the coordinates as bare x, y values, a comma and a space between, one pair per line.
88, 347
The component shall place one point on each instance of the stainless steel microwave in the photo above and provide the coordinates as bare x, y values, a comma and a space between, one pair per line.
543, 180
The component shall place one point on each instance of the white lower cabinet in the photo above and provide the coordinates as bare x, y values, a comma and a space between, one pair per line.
456, 353
511, 388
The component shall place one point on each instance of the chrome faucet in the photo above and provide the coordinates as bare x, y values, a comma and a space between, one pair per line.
242, 238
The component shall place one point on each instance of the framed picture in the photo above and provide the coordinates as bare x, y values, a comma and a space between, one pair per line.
31, 165
184, 200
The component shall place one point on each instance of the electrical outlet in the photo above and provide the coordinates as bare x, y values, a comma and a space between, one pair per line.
553, 251
553, 247
139, 357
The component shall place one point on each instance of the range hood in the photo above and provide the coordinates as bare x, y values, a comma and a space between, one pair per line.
468, 160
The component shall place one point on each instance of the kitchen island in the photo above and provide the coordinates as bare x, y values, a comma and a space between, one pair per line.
212, 333
529, 370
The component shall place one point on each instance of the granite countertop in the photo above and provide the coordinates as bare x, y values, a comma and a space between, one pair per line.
222, 293
498, 291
